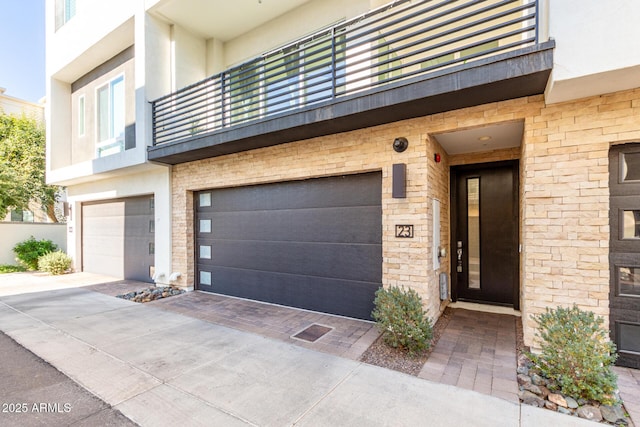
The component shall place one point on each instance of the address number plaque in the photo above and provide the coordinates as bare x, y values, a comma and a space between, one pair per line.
404, 231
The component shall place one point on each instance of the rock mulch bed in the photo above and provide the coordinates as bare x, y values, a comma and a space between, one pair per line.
380, 354
151, 293
537, 391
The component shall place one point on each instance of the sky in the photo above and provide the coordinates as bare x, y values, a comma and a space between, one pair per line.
22, 66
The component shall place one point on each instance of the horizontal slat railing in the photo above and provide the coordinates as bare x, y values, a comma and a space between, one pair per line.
392, 43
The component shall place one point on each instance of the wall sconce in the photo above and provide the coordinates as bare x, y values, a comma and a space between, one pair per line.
399, 181
400, 144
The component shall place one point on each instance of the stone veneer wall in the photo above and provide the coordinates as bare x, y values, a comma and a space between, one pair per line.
564, 192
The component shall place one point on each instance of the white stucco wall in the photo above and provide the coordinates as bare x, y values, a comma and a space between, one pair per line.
189, 54
156, 182
16, 232
597, 47
302, 21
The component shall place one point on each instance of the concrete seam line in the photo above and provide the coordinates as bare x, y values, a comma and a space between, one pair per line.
211, 406
327, 394
92, 347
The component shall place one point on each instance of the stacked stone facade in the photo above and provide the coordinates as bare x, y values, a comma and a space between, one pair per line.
564, 196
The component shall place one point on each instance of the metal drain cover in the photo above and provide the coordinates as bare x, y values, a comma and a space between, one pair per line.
312, 333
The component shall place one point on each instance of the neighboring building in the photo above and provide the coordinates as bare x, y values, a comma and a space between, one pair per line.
19, 107
306, 152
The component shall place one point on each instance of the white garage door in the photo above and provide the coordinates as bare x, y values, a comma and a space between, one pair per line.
118, 237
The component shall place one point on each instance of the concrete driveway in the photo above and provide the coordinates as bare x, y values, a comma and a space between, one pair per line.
163, 368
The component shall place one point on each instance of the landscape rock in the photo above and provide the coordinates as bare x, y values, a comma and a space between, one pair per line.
531, 399
571, 402
550, 405
564, 410
538, 380
151, 294
589, 412
557, 399
613, 414
544, 392
532, 388
523, 379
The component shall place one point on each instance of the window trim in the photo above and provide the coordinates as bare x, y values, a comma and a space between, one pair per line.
65, 11
106, 147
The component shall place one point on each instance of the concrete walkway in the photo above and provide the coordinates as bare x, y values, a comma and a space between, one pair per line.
163, 368
34, 393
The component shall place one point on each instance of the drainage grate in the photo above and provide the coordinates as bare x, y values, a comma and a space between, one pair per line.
313, 333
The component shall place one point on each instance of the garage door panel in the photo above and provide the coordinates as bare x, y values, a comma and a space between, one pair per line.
354, 190
117, 237
344, 261
314, 244
342, 297
352, 225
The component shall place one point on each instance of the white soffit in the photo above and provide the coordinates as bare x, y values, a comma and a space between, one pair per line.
223, 19
485, 138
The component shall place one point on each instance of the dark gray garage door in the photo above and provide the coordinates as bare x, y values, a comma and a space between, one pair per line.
118, 237
314, 244
624, 257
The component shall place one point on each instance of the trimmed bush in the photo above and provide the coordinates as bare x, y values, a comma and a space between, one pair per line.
11, 268
55, 263
29, 251
401, 319
577, 354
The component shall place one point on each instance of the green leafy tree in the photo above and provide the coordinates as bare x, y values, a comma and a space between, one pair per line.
22, 166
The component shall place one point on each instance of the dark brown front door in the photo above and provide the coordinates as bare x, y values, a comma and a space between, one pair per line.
484, 245
624, 257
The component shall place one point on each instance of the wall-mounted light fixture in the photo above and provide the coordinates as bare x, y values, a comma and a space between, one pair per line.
400, 144
399, 181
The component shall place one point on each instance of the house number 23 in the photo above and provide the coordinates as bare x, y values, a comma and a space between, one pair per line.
404, 231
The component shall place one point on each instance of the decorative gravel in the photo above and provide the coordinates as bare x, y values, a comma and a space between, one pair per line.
380, 354
151, 293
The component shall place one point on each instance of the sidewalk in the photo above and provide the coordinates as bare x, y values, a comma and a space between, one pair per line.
35, 394
164, 368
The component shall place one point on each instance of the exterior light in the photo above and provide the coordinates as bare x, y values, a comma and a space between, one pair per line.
400, 144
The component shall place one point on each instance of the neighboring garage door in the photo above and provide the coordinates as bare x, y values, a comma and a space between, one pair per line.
624, 257
118, 237
314, 244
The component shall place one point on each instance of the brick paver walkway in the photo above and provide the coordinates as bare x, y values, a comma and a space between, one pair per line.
477, 351
629, 385
347, 338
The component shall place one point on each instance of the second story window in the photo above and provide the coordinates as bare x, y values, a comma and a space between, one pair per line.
110, 117
65, 10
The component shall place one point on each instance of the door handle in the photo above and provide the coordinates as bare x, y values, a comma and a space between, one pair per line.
459, 252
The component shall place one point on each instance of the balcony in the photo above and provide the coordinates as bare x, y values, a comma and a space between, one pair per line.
404, 60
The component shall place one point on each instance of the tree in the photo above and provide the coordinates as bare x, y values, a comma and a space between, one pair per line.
22, 166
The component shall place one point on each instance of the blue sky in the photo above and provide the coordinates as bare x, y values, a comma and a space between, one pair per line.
22, 69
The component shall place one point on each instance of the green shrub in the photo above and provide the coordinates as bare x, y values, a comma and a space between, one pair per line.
29, 251
576, 354
11, 268
402, 320
55, 263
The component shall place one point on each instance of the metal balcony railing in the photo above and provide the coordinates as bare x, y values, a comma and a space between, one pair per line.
395, 42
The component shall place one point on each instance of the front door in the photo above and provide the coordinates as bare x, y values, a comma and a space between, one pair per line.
624, 257
484, 238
